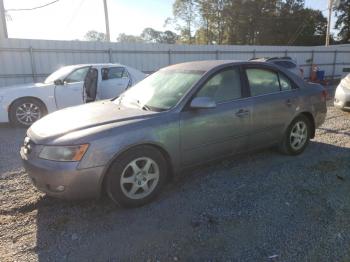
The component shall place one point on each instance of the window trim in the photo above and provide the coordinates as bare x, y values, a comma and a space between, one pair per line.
64, 80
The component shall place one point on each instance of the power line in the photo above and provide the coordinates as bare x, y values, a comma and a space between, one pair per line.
33, 8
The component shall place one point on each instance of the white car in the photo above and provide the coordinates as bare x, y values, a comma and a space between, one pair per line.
342, 94
68, 86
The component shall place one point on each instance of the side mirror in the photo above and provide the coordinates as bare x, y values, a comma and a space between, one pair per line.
202, 103
58, 82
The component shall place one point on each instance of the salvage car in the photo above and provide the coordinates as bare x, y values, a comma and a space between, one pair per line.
342, 94
179, 117
22, 105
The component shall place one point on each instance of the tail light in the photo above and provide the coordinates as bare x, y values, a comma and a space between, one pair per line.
324, 94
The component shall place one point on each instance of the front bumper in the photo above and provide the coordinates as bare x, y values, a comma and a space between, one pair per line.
4, 115
342, 98
63, 179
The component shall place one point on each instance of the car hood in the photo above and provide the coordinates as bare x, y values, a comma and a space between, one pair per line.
84, 116
6, 89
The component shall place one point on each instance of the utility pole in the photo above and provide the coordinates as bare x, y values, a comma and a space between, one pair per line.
330, 7
3, 27
106, 21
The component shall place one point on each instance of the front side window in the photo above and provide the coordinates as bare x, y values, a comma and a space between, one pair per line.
114, 73
222, 87
77, 75
262, 81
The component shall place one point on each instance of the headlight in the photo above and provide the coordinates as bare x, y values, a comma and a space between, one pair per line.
64, 153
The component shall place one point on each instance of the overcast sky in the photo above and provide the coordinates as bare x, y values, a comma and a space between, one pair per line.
71, 19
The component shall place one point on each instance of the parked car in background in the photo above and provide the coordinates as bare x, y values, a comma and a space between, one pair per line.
342, 94
285, 62
68, 86
180, 116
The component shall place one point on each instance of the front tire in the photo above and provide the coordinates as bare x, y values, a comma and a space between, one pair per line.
136, 177
297, 136
24, 112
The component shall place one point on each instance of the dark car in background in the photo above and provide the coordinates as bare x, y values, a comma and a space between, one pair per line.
181, 116
285, 62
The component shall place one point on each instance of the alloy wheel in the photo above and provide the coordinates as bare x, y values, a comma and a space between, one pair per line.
298, 135
139, 178
28, 113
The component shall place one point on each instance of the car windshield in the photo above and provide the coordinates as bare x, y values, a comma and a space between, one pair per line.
161, 90
59, 74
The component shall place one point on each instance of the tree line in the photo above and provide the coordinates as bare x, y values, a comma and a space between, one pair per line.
244, 22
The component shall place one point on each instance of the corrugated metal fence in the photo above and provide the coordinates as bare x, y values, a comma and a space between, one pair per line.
24, 60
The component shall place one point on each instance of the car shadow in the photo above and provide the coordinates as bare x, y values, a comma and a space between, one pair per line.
217, 211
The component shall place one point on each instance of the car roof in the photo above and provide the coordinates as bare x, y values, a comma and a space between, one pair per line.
96, 65
205, 65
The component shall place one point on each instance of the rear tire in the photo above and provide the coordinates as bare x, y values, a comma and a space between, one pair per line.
25, 111
297, 136
136, 177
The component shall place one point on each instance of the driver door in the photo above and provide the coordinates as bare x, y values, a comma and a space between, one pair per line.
207, 134
71, 92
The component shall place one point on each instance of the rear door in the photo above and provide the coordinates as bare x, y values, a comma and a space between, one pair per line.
71, 92
274, 98
115, 80
212, 133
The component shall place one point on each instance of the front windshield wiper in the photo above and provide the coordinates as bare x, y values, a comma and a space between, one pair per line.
153, 108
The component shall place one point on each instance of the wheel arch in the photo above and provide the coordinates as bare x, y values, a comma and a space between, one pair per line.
157, 146
310, 117
23, 98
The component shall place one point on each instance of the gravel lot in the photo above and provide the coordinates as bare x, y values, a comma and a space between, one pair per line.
258, 207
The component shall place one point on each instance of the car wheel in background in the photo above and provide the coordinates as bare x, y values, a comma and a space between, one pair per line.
297, 136
26, 111
136, 177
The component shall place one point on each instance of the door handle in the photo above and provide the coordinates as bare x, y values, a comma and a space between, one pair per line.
242, 113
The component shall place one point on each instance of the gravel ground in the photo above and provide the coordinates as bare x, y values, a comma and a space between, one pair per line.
258, 207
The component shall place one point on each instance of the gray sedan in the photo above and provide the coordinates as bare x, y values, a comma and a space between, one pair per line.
342, 94
181, 116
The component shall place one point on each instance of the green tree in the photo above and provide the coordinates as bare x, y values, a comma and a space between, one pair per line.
124, 38
93, 35
185, 14
343, 21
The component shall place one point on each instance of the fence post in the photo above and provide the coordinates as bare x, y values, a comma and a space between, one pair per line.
110, 55
32, 63
312, 61
254, 54
169, 56
334, 63
217, 54
286, 53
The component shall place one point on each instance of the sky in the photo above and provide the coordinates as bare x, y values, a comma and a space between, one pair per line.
71, 19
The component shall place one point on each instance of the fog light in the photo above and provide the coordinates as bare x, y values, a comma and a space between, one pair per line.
55, 189
59, 188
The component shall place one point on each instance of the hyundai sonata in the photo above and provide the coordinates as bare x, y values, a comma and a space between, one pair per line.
180, 116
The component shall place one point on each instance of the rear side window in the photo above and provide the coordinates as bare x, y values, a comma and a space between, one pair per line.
262, 81
223, 86
114, 73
